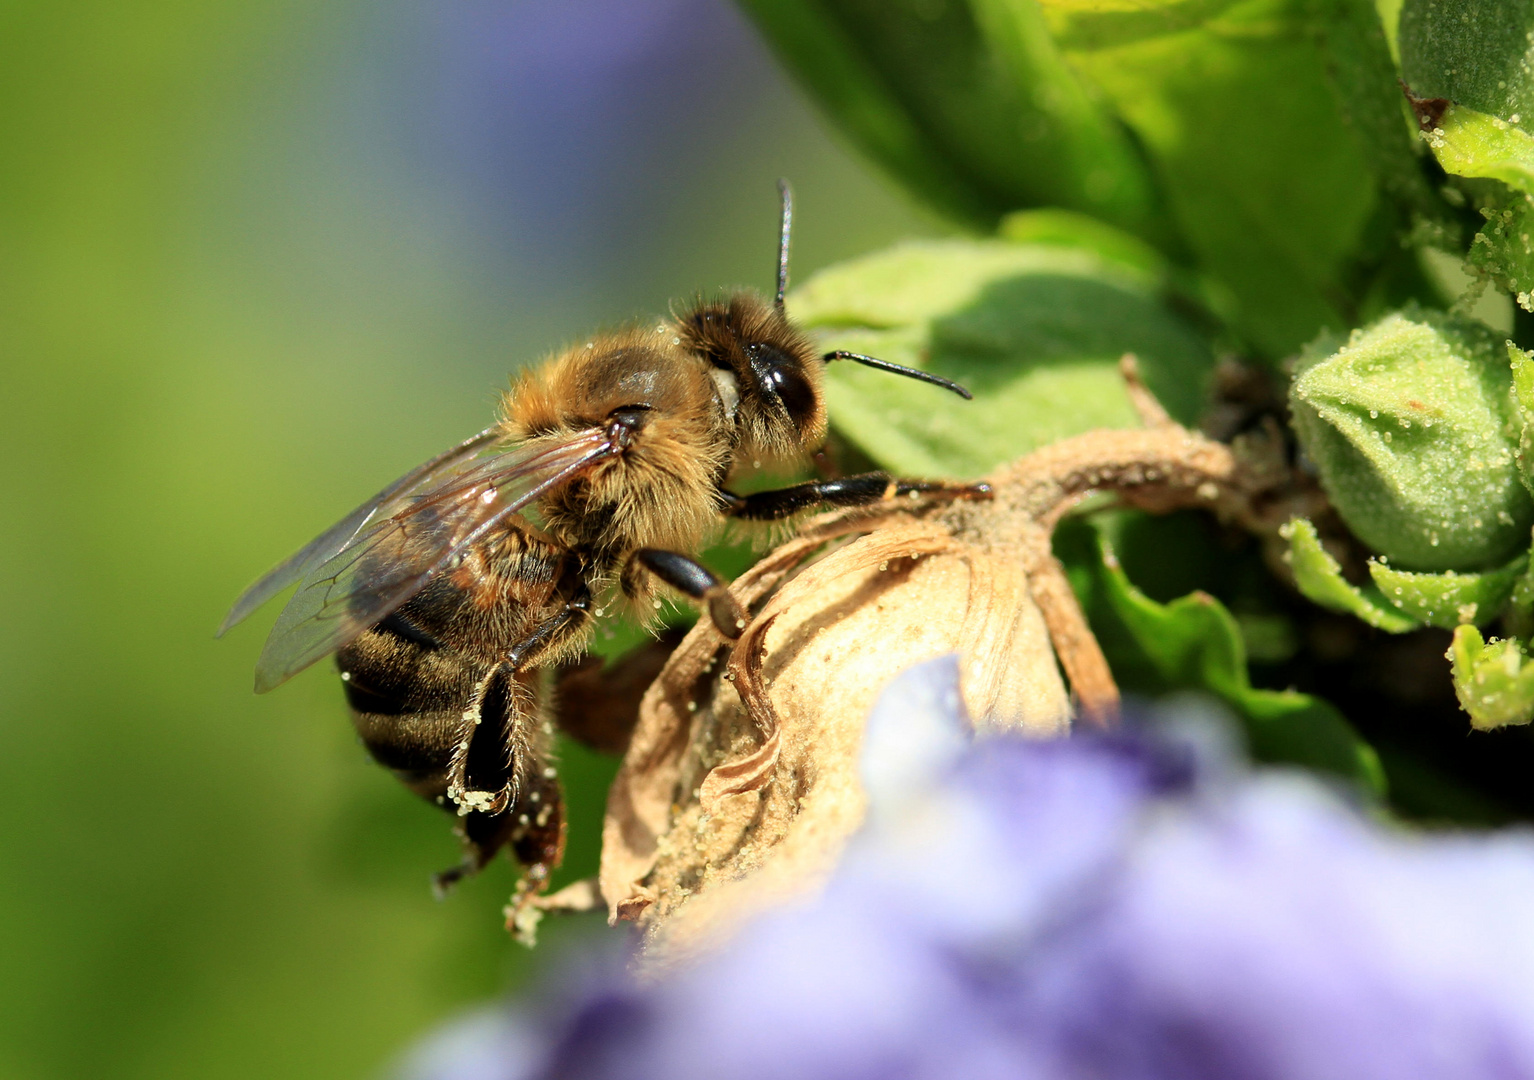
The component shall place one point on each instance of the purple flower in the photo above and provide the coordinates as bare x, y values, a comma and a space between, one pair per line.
1124, 907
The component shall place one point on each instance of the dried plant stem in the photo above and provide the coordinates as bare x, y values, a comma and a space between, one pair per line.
1161, 469
1149, 408
1092, 685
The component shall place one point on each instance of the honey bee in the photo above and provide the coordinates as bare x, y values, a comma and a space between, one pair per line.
448, 596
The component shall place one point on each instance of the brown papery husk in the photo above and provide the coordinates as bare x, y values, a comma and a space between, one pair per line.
740, 786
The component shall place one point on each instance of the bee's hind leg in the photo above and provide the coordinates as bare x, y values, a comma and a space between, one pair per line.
538, 828
537, 839
689, 576
483, 835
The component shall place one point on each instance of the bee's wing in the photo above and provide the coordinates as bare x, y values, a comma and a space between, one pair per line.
409, 537
338, 536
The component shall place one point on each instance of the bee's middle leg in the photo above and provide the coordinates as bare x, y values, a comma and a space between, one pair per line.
689, 576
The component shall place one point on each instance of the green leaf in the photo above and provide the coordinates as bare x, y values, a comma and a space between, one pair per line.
1521, 602
1494, 682
1448, 599
1192, 294
1412, 426
1066, 228
1319, 579
1193, 642
1363, 77
969, 104
1271, 188
1399, 600
1470, 143
1479, 53
1034, 330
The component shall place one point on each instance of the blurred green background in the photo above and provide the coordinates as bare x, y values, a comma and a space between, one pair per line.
256, 259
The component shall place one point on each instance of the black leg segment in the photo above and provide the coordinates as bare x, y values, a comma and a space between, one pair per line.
575, 612
860, 490
689, 576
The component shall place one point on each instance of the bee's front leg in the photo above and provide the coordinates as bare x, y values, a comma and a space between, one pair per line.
863, 489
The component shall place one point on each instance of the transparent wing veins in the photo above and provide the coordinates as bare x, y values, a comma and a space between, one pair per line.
336, 538
409, 538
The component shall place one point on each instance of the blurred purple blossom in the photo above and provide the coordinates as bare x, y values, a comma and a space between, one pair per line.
1124, 907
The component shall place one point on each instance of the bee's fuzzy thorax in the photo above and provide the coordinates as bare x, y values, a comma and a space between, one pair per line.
661, 492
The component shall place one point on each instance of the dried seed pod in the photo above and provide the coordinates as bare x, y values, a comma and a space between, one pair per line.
765, 745
740, 787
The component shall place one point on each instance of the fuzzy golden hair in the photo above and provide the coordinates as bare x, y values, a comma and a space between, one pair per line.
661, 491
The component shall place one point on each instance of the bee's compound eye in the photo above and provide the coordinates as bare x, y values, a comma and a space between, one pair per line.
794, 391
782, 376
630, 416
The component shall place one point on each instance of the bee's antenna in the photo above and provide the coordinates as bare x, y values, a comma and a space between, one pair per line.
783, 230
900, 369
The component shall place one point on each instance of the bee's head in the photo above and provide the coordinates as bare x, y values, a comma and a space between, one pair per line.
767, 373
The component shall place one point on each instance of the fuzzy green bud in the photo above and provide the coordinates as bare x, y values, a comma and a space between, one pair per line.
1494, 680
1413, 427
